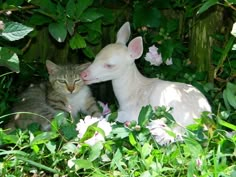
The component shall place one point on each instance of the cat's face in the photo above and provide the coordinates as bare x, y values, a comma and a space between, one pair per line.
65, 79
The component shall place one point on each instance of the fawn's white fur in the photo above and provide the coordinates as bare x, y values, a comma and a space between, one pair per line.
116, 62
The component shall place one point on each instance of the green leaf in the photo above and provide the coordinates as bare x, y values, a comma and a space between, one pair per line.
132, 140
121, 132
146, 150
81, 6
35, 148
113, 116
207, 5
167, 49
144, 16
116, 158
58, 121
46, 6
5, 138
89, 53
226, 124
109, 15
170, 118
89, 132
71, 8
95, 151
193, 146
145, 115
229, 94
38, 19
77, 42
69, 131
70, 25
14, 31
95, 26
84, 164
9, 59
58, 31
44, 138
93, 37
90, 15
15, 2
51, 146
69, 147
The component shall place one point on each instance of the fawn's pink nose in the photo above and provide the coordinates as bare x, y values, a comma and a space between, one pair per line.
84, 74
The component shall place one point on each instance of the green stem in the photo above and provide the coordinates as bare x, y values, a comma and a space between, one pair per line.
6, 73
228, 47
39, 165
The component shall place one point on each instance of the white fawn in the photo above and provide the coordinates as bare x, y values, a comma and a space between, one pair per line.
115, 62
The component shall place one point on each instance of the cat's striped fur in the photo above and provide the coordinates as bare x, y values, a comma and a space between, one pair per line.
65, 92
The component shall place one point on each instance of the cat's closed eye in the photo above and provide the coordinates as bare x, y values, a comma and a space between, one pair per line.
61, 81
77, 80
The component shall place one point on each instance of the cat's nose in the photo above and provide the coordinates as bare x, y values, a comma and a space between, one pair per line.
84, 74
71, 88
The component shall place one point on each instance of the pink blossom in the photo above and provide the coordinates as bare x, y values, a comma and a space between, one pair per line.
199, 162
155, 58
105, 109
127, 123
83, 125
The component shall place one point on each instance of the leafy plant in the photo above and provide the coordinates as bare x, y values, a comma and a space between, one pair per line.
207, 149
126, 151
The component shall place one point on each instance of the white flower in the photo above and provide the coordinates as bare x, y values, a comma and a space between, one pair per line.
71, 162
233, 32
82, 126
169, 61
8, 12
159, 130
2, 26
88, 120
234, 47
106, 126
155, 58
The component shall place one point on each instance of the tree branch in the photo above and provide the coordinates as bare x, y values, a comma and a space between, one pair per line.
18, 9
230, 5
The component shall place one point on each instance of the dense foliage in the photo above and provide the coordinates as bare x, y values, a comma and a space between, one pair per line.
76, 30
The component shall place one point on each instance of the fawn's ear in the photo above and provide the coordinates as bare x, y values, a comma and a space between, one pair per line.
123, 34
51, 67
135, 48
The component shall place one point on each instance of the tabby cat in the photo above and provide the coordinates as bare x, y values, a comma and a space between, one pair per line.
65, 92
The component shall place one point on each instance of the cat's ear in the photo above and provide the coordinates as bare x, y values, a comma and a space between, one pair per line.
84, 66
51, 67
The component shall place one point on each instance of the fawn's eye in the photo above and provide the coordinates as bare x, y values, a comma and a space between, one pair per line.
109, 66
61, 81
